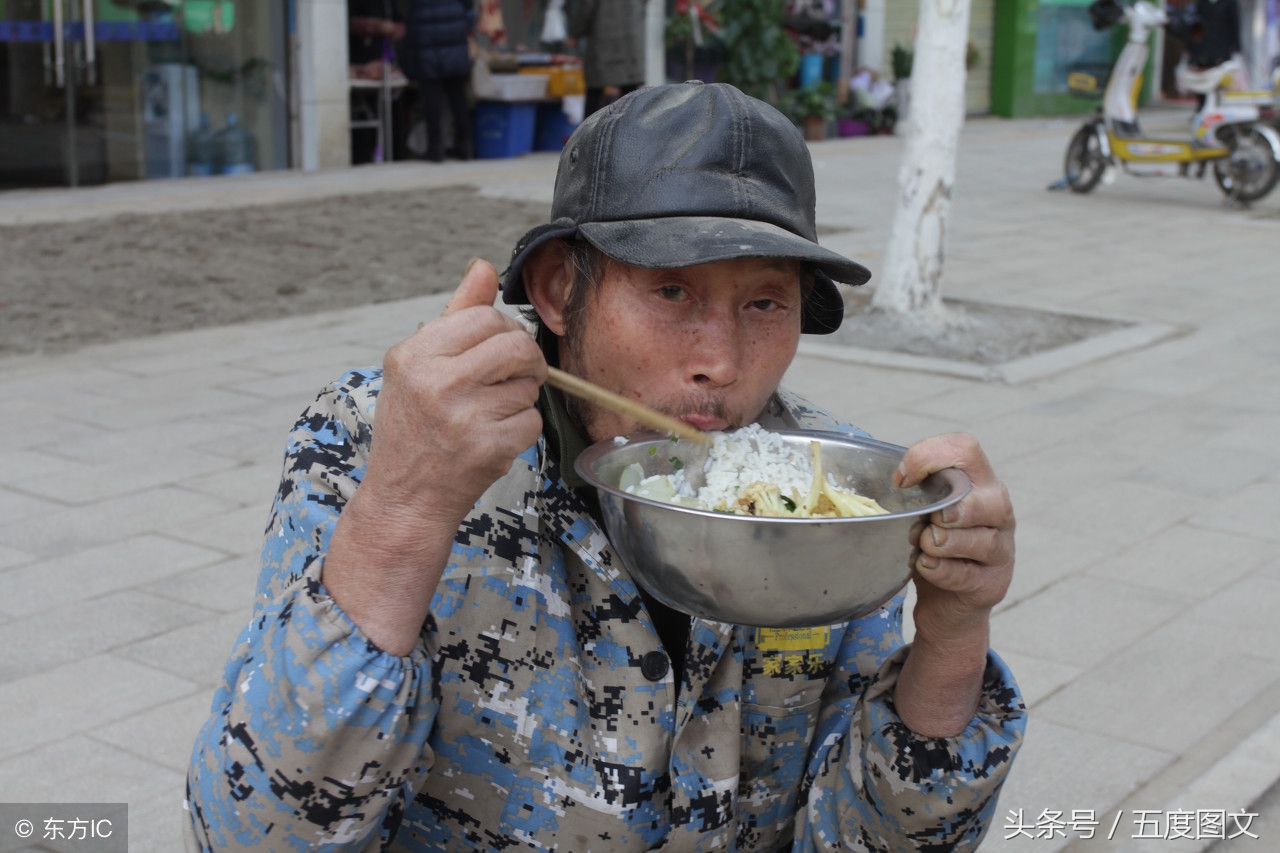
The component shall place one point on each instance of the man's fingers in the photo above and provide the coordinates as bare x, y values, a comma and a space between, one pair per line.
479, 287
985, 545
954, 450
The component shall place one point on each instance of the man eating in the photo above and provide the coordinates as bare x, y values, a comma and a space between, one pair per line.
446, 653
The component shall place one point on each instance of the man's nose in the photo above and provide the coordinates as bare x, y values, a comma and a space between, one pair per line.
715, 352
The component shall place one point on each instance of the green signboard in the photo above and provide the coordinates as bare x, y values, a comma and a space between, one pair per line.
1038, 44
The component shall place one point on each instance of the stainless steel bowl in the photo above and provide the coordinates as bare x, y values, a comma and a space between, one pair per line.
766, 572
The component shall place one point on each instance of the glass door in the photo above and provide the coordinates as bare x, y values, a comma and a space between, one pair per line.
93, 91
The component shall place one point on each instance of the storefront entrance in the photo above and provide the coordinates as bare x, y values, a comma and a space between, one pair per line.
93, 91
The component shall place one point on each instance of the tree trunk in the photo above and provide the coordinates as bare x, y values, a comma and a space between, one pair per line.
912, 279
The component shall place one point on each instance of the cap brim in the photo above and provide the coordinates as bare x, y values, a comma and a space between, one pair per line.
684, 241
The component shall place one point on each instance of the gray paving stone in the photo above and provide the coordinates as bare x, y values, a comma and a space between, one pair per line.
81, 769
225, 587
238, 532
45, 430
1046, 556
163, 734
65, 530
1166, 690
1255, 434
1243, 615
1249, 512
59, 581
247, 484
79, 696
24, 465
10, 557
903, 428
122, 416
1122, 511
16, 507
197, 652
1208, 470
145, 440
299, 388
978, 404
1168, 432
1186, 560
55, 637
1082, 621
148, 388
1066, 769
304, 359
1037, 678
116, 478
1043, 481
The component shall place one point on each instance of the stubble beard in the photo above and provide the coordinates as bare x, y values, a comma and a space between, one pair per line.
587, 416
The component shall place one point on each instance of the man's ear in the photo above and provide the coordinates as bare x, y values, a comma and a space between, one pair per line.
548, 275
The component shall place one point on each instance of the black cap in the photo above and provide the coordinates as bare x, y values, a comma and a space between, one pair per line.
686, 174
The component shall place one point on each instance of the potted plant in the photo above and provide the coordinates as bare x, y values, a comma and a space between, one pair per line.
759, 54
692, 38
811, 108
901, 63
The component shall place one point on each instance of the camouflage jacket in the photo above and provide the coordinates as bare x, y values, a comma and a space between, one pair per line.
538, 712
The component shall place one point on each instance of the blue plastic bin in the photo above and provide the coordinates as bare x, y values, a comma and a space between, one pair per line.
504, 128
553, 128
810, 70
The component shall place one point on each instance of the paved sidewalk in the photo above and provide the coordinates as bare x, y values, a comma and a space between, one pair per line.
1141, 623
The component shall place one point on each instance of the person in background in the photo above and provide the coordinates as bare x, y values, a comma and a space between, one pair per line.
371, 24
614, 53
436, 55
1215, 34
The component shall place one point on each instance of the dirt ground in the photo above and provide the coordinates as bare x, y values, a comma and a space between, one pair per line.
65, 286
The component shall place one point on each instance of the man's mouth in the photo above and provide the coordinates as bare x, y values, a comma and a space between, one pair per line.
705, 423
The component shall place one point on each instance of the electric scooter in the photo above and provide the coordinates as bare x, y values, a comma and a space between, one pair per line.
1229, 133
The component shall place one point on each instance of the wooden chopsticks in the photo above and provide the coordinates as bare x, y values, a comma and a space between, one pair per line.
571, 384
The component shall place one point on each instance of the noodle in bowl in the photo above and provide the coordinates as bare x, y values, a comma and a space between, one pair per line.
763, 571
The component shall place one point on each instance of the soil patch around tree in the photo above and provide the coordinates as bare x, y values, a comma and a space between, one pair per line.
975, 332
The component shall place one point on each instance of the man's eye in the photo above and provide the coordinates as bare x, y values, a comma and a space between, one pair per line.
765, 305
672, 292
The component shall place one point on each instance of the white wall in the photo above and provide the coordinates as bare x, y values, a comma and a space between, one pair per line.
871, 53
323, 131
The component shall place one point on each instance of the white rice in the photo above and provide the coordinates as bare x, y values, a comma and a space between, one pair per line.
748, 455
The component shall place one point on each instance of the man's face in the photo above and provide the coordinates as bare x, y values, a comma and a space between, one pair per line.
706, 344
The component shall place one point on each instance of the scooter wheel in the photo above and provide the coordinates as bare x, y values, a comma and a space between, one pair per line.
1250, 171
1085, 161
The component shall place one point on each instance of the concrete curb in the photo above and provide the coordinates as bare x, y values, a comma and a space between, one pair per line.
1133, 336
1236, 782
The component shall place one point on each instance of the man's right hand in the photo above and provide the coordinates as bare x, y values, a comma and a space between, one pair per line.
455, 408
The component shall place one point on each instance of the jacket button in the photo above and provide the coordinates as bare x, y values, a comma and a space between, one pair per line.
654, 666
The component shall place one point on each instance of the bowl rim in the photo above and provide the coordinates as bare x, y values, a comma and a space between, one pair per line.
956, 479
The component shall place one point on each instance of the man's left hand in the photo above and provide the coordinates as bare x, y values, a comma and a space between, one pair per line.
963, 563
964, 555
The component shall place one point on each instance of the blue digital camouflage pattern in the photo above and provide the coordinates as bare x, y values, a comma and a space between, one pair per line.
526, 719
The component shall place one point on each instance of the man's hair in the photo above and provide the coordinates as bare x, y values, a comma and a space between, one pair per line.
589, 264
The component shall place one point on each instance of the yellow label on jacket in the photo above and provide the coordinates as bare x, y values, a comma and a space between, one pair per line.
792, 639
